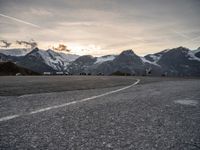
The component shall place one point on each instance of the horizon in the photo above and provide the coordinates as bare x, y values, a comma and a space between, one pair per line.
100, 28
119, 52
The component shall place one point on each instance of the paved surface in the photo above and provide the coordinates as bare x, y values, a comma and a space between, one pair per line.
154, 114
21, 85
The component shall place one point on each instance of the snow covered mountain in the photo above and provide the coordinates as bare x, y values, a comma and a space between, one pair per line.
88, 64
154, 58
58, 61
171, 62
180, 62
127, 62
41, 60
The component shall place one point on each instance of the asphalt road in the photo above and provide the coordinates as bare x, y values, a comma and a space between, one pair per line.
134, 113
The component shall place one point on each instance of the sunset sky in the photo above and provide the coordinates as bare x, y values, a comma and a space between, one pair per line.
101, 27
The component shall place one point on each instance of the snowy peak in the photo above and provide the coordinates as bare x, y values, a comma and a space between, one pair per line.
179, 50
57, 61
178, 61
175, 51
156, 57
176, 56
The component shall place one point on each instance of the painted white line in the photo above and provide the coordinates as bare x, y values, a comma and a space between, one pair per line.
8, 118
70, 103
26, 95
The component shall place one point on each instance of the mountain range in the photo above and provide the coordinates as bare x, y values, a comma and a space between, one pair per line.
178, 61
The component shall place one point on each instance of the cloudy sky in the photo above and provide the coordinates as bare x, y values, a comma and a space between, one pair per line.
101, 27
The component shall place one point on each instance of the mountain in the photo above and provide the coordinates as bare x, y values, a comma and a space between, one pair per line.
155, 57
197, 52
9, 68
15, 51
88, 64
130, 63
178, 61
105, 58
56, 61
127, 62
35, 61
81, 64
41, 60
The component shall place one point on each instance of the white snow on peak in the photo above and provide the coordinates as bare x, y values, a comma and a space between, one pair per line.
147, 61
104, 59
58, 61
156, 57
192, 56
196, 51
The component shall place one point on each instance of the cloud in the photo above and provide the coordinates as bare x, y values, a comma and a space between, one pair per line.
5, 44
32, 43
62, 47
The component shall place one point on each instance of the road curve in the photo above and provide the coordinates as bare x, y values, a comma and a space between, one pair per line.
152, 115
66, 104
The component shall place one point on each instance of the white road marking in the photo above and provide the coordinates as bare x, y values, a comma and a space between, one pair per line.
8, 118
26, 95
67, 104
